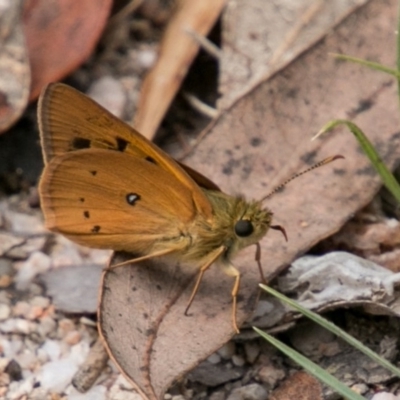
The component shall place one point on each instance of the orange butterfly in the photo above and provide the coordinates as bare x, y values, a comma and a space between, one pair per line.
106, 186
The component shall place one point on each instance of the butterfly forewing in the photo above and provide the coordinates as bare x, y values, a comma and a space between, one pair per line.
70, 121
107, 199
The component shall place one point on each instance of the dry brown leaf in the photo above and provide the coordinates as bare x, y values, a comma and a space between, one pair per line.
14, 65
259, 38
61, 35
252, 147
146, 331
177, 51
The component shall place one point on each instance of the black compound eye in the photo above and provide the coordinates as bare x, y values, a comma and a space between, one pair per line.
244, 227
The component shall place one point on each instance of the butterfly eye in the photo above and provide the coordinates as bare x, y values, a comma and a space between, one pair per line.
243, 228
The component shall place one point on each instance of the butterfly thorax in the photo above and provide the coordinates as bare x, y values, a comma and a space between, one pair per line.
236, 224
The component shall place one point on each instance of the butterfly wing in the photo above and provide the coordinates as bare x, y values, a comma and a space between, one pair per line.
70, 121
199, 178
109, 199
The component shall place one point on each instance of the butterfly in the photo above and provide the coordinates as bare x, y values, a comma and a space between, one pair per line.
106, 186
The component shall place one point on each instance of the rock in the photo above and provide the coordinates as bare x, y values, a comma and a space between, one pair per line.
5, 311
95, 393
6, 272
227, 350
218, 396
238, 360
74, 289
270, 375
37, 263
17, 325
109, 92
146, 57
252, 350
46, 326
253, 391
214, 375
72, 338
56, 375
214, 358
52, 349
14, 370
21, 389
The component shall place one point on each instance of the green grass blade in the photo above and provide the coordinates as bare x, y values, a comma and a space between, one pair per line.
311, 367
334, 329
370, 64
388, 179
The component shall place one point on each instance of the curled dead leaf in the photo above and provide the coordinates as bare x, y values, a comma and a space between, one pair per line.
61, 35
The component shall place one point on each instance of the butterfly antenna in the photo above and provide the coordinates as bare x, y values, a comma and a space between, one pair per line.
317, 165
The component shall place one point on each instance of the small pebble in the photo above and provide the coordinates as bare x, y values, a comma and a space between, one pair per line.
252, 350
263, 307
65, 325
6, 267
65, 254
6, 273
21, 389
27, 359
146, 58
227, 350
23, 223
46, 326
56, 375
16, 325
35, 312
5, 311
72, 338
270, 375
10, 348
253, 391
4, 381
360, 388
52, 349
95, 393
214, 358
21, 309
5, 281
14, 370
385, 396
37, 263
218, 396
238, 361
80, 351
109, 92
40, 301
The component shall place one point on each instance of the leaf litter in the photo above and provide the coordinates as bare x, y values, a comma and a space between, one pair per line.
232, 170
253, 146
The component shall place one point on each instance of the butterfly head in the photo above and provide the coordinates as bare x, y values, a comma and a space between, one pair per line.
251, 225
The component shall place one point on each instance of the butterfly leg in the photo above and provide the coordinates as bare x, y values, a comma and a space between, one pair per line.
204, 268
258, 260
139, 259
230, 270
